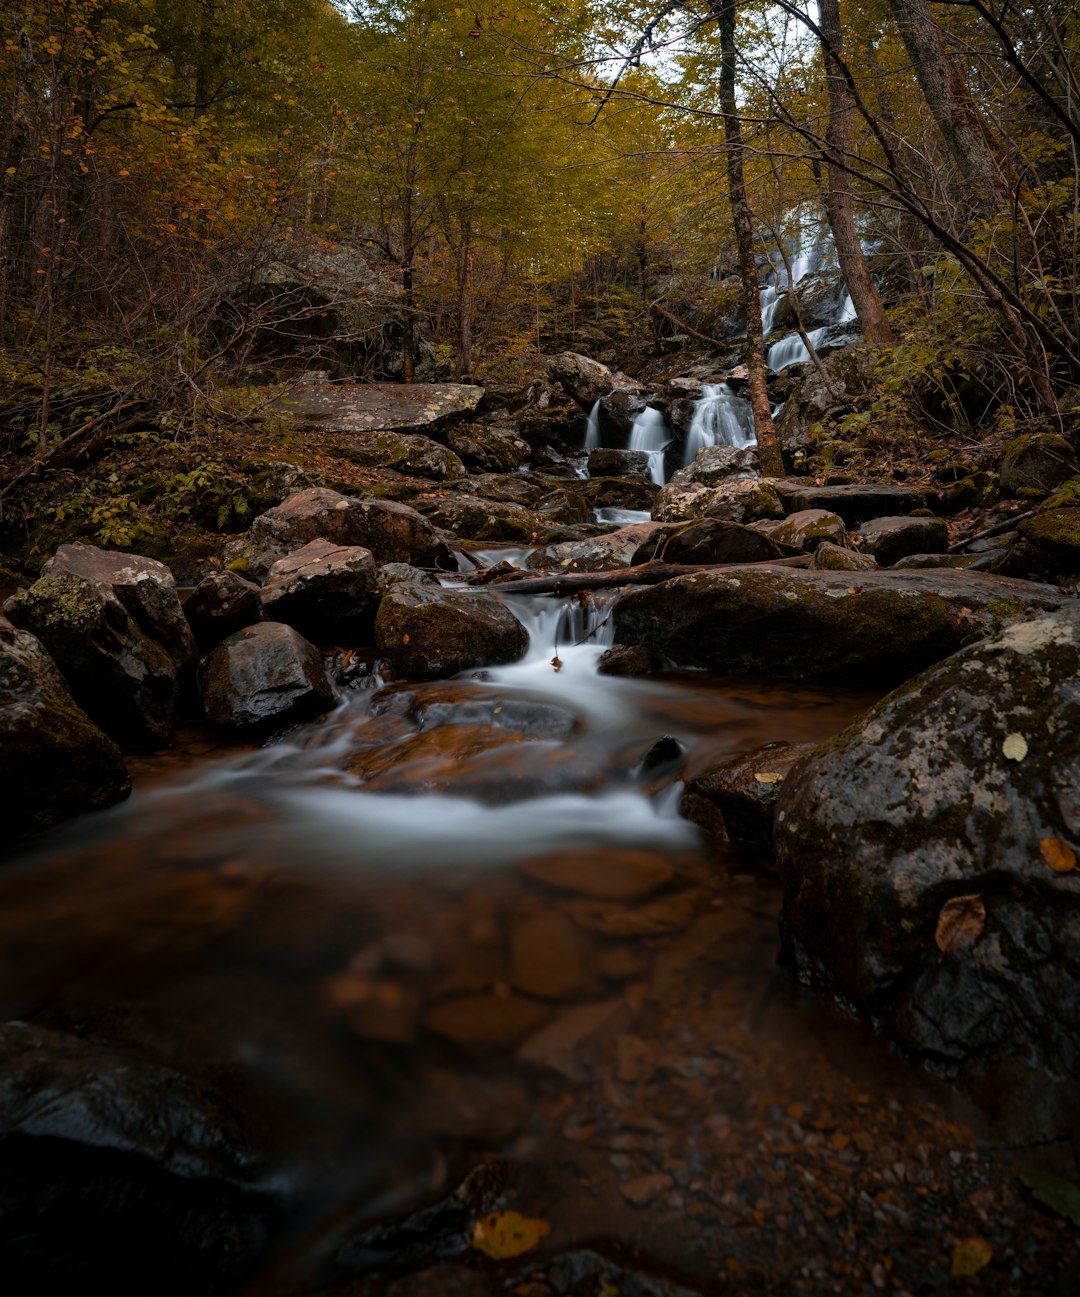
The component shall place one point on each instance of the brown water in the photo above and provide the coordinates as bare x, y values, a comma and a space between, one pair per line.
458, 921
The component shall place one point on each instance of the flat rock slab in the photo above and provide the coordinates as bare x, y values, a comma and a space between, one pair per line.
380, 407
855, 504
870, 627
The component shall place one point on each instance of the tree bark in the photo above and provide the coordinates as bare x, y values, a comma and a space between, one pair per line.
839, 206
723, 11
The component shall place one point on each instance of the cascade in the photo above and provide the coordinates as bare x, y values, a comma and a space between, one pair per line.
650, 434
720, 419
592, 428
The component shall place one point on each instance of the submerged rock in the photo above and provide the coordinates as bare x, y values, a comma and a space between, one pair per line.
262, 676
429, 633
930, 853
54, 761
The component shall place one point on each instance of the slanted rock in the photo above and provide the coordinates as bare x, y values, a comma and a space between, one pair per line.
891, 539
471, 518
930, 854
323, 589
835, 558
714, 541
408, 453
808, 529
380, 407
123, 679
736, 800
584, 379
878, 627
262, 676
54, 761
221, 604
1037, 463
428, 634
854, 503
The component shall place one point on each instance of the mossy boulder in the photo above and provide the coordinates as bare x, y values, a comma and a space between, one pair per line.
1036, 464
1056, 534
929, 854
428, 633
836, 558
742, 500
715, 541
472, 518
891, 539
54, 761
488, 450
412, 454
807, 529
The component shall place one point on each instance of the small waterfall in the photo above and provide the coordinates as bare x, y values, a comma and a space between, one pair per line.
592, 428
847, 311
650, 434
770, 295
720, 419
792, 350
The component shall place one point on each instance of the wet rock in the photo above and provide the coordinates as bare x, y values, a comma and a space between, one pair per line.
262, 676
584, 379
408, 453
568, 1043
620, 875
472, 518
891, 539
393, 532
380, 407
736, 801
743, 500
431, 706
323, 589
853, 503
713, 465
632, 660
1056, 534
396, 573
616, 549
618, 492
808, 528
930, 854
835, 558
606, 462
486, 1021
792, 624
564, 506
130, 1176
489, 450
620, 407
431, 633
54, 761
1037, 463
126, 681
713, 541
546, 955
221, 604
817, 398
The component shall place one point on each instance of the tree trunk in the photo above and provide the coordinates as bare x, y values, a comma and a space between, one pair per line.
723, 11
839, 207
465, 304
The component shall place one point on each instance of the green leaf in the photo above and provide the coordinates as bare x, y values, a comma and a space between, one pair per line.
1055, 1192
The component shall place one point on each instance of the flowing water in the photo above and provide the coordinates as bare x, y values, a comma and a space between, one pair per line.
720, 419
651, 434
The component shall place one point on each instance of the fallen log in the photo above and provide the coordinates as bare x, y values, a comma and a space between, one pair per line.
651, 573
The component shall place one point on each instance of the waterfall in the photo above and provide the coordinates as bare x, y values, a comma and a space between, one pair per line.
592, 428
770, 295
792, 350
720, 419
650, 434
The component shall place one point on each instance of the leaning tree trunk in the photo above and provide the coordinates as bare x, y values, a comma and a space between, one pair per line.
768, 450
839, 206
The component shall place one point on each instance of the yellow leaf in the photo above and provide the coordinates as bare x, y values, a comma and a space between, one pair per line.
1058, 855
404, 639
504, 1234
767, 776
970, 1256
960, 922
1015, 747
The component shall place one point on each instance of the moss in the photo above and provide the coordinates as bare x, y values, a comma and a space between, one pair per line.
57, 603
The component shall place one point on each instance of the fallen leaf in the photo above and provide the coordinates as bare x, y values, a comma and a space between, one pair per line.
556, 662
1015, 747
970, 1256
503, 1234
767, 776
1058, 855
404, 639
960, 922
1055, 1192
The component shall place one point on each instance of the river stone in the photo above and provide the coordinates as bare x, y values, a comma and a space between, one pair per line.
54, 761
546, 955
221, 604
380, 407
1037, 463
434, 705
713, 465
624, 874
128, 1174
471, 518
607, 462
428, 634
322, 589
490, 450
835, 558
891, 539
143, 585
393, 532
929, 853
618, 492
123, 679
264, 675
486, 1021
855, 504
564, 506
876, 627
808, 529
408, 453
736, 800
617, 549
713, 541
742, 500
401, 573
1056, 534
584, 379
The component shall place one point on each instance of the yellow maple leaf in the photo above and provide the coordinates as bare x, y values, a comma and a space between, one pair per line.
1058, 855
503, 1234
969, 1257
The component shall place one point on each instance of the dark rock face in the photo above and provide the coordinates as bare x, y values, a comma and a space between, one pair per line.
221, 604
564, 506
124, 680
488, 450
606, 462
262, 676
835, 558
471, 518
54, 761
322, 589
429, 634
930, 853
408, 453
584, 379
393, 532
713, 541
854, 504
737, 801
1056, 534
620, 408
1037, 463
877, 627
631, 660
891, 539
132, 1177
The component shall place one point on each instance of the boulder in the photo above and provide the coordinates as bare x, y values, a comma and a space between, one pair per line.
891, 539
221, 604
428, 634
54, 761
408, 453
1056, 535
878, 627
743, 500
323, 589
817, 399
606, 462
930, 854
735, 801
395, 573
584, 379
272, 481
808, 529
526, 489
393, 532
715, 464
618, 492
564, 506
854, 503
715, 541
619, 408
472, 518
123, 679
1037, 463
489, 450
380, 407
835, 558
622, 548
264, 675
